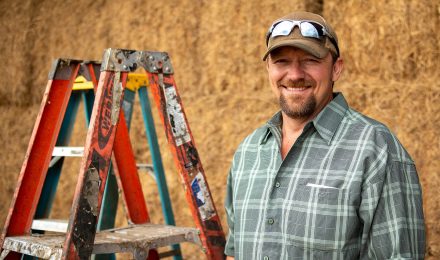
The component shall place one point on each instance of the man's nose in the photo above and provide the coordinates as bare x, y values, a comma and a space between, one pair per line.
295, 72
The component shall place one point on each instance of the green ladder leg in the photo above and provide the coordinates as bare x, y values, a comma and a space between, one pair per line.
157, 164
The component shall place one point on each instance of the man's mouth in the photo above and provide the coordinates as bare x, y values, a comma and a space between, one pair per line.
295, 89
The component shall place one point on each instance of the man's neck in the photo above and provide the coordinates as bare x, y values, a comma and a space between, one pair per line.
290, 131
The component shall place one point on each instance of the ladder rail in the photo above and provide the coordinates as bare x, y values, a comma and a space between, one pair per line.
187, 160
94, 167
43, 138
125, 168
87, 69
53, 173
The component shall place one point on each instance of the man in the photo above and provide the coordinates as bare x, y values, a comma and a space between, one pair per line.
319, 180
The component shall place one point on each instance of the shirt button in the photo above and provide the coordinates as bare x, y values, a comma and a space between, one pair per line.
266, 257
277, 184
270, 221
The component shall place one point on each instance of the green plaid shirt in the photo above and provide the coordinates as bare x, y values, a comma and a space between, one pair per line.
347, 189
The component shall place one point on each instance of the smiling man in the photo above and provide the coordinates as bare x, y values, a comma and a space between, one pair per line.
319, 180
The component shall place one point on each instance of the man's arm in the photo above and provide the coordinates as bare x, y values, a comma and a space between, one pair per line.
392, 212
230, 258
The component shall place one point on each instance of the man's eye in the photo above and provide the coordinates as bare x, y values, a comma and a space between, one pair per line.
311, 60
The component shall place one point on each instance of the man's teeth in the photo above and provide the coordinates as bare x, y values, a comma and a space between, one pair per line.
302, 88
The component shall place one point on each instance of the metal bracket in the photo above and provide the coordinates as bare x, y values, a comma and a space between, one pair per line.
140, 253
157, 62
120, 60
62, 69
194, 237
129, 60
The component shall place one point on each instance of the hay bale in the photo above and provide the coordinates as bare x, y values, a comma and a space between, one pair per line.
17, 34
396, 40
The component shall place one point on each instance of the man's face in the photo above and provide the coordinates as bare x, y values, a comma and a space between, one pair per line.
302, 82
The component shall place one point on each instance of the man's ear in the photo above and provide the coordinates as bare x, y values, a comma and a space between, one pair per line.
267, 62
338, 66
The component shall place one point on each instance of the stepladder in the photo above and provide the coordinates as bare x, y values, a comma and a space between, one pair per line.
107, 136
83, 89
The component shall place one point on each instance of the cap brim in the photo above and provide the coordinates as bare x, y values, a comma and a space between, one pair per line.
309, 46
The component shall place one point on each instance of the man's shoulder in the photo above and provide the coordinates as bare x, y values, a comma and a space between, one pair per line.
357, 119
378, 134
255, 137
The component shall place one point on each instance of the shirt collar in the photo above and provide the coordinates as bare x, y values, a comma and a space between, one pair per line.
329, 119
326, 122
273, 127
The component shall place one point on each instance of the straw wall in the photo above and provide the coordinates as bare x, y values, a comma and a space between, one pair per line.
391, 54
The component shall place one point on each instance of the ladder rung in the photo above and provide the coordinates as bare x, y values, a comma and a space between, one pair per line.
145, 166
55, 225
65, 151
134, 239
148, 168
170, 253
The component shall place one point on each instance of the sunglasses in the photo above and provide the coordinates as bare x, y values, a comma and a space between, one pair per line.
310, 29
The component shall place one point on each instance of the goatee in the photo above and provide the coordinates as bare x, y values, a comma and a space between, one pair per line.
304, 109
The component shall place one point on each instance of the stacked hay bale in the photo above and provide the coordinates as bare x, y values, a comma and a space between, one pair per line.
392, 73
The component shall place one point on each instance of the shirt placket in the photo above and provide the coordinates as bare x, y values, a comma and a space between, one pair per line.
273, 243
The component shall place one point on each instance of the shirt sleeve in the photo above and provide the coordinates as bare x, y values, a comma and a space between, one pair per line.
229, 248
392, 212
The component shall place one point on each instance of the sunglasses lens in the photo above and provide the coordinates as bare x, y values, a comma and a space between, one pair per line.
311, 30
282, 29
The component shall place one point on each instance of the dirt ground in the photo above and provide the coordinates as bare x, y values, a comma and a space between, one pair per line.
392, 74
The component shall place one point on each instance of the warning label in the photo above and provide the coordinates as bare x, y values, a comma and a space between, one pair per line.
176, 117
203, 199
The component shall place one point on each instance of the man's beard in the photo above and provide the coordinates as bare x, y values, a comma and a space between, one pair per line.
302, 110
299, 109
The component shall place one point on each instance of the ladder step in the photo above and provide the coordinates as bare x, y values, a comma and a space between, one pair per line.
65, 151
136, 239
55, 225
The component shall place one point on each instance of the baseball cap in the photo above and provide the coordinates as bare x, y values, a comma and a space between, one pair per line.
307, 31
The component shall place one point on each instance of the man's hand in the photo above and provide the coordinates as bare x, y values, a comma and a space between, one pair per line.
229, 258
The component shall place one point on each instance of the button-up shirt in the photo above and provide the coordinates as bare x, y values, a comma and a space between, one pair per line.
347, 189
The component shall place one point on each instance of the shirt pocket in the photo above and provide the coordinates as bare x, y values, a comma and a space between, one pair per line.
323, 218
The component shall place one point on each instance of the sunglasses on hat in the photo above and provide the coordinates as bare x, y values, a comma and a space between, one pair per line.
309, 29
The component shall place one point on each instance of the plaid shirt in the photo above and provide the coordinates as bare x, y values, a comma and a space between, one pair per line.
347, 189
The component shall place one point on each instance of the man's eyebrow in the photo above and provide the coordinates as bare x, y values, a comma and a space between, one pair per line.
309, 55
276, 56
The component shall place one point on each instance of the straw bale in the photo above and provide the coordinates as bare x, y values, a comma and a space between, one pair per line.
392, 40
17, 35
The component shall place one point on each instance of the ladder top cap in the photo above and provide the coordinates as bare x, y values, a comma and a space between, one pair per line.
129, 60
61, 68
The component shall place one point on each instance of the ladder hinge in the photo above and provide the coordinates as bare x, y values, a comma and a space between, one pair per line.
62, 69
130, 60
157, 62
